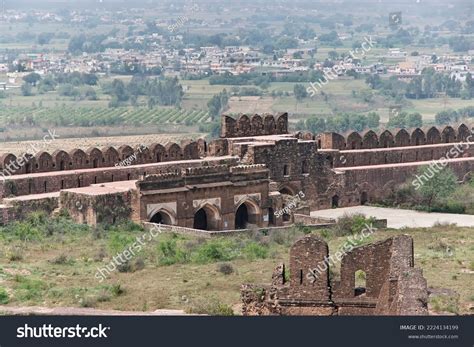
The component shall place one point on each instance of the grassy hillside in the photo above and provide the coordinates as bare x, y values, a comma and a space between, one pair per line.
54, 262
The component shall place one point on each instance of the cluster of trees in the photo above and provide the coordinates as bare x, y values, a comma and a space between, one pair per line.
166, 92
433, 189
218, 104
451, 116
65, 83
259, 80
405, 120
427, 85
341, 123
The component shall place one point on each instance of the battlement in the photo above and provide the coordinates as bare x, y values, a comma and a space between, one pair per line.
206, 170
248, 168
256, 125
61, 160
386, 139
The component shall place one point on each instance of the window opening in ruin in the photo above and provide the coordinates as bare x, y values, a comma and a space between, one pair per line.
335, 201
360, 280
271, 216
304, 167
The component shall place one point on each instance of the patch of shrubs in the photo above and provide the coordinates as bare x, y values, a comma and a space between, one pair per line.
225, 268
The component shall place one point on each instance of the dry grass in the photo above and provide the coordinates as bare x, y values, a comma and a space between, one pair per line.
35, 280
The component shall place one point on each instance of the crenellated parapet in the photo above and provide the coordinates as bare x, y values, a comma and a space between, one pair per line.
125, 155
387, 139
254, 125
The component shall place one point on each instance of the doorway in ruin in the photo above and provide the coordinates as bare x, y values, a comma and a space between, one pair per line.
162, 217
200, 220
241, 217
335, 201
207, 218
364, 198
271, 217
61, 165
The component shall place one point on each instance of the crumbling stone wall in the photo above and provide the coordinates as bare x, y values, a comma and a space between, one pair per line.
255, 125
393, 287
75, 159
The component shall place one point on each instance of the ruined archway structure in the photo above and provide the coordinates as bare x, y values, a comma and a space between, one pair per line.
393, 286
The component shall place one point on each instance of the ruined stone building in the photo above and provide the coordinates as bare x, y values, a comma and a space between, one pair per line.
393, 286
241, 179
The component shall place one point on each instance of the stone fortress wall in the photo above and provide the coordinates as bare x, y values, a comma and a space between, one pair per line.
328, 169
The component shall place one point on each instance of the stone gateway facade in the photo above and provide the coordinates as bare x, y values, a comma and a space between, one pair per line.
393, 286
249, 177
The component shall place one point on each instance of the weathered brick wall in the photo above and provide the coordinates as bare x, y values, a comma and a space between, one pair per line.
401, 138
255, 125
61, 160
19, 185
393, 285
219, 190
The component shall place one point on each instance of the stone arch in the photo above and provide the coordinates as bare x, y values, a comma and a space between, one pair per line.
418, 137
62, 160
111, 156
257, 125
269, 124
370, 140
78, 158
95, 157
158, 152
144, 154
433, 136
173, 151
244, 126
44, 162
463, 133
282, 124
287, 190
5, 161
354, 141
163, 216
247, 212
191, 150
402, 138
228, 126
125, 151
448, 135
386, 139
207, 217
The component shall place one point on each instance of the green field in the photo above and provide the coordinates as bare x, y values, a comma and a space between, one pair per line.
93, 116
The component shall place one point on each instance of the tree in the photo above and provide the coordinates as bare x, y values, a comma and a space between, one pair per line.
300, 92
373, 120
218, 104
32, 78
414, 120
441, 184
